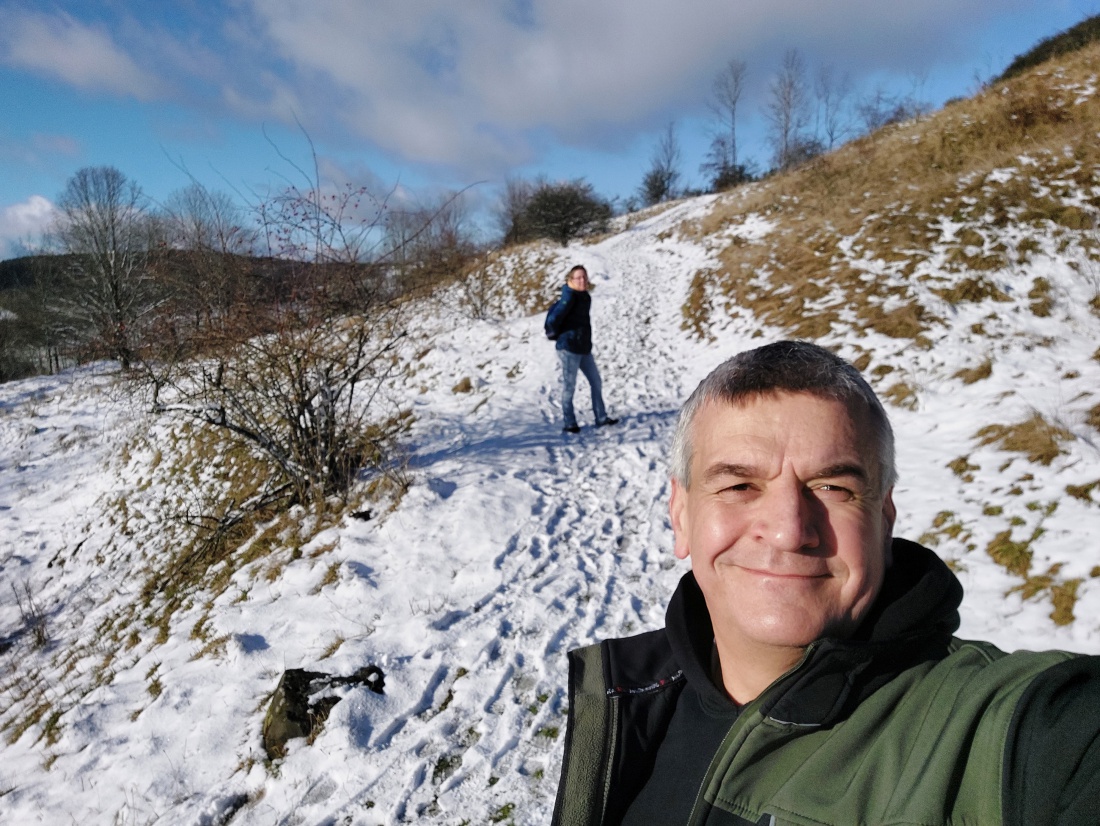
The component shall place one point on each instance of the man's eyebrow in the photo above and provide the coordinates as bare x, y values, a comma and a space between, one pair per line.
843, 469
730, 469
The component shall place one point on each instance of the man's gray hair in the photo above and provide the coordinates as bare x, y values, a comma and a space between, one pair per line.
786, 367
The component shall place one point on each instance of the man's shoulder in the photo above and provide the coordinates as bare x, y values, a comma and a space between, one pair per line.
986, 664
987, 654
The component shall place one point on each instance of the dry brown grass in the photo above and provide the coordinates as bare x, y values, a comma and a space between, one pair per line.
1014, 556
962, 468
1063, 593
885, 192
697, 308
969, 375
946, 524
1064, 597
1041, 300
1083, 492
972, 289
524, 275
901, 395
1092, 417
1036, 438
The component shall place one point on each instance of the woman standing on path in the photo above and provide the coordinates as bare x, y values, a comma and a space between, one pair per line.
569, 319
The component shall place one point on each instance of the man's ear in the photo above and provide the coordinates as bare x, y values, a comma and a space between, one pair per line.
677, 505
889, 514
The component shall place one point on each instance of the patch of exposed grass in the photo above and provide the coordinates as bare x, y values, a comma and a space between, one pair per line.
1083, 492
901, 395
907, 321
1025, 249
945, 524
1092, 417
962, 468
969, 375
972, 289
1063, 593
51, 729
1041, 300
201, 630
331, 575
214, 648
155, 688
19, 726
1036, 438
1014, 556
1064, 597
332, 648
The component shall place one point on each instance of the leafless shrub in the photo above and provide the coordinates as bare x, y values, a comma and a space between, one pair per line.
32, 615
295, 386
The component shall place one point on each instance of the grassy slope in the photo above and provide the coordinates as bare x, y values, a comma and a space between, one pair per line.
975, 225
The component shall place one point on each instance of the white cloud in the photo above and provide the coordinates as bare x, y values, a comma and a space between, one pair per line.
85, 56
437, 81
24, 222
480, 87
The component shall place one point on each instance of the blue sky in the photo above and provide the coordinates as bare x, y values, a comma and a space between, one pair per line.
432, 95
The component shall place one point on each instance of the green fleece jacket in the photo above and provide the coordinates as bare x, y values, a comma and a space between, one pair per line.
900, 724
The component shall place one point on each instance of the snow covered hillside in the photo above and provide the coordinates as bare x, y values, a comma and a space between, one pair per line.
515, 542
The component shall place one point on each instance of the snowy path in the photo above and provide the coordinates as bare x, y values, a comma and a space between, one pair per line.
580, 550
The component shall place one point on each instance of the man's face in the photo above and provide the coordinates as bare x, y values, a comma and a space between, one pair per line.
787, 532
578, 280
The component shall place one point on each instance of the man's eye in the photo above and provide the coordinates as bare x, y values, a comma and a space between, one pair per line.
834, 493
738, 488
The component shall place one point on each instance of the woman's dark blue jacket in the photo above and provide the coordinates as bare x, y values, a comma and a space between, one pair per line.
570, 318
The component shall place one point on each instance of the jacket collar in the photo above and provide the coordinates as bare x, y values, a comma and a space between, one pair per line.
911, 621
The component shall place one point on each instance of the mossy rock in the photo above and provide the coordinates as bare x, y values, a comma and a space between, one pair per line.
290, 713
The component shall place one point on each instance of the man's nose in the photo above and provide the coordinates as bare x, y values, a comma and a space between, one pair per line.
788, 519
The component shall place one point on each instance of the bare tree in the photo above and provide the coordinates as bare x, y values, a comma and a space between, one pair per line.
511, 212
207, 219
429, 243
880, 108
918, 107
660, 182
209, 240
832, 95
726, 92
787, 111
104, 230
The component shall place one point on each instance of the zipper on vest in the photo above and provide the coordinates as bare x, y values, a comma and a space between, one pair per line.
612, 740
739, 724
